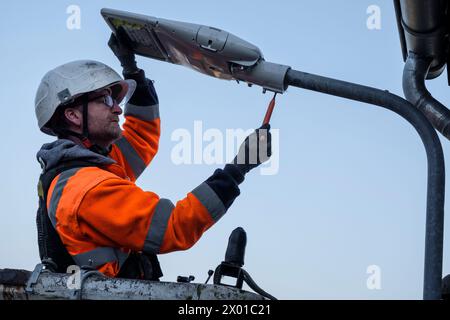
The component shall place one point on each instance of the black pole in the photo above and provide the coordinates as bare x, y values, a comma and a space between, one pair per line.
414, 74
436, 167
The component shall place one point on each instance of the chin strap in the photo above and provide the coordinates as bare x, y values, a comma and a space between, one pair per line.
84, 137
85, 119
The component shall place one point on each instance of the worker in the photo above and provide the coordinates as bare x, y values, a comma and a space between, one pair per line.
91, 213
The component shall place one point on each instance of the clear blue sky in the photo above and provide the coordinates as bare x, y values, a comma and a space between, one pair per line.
351, 186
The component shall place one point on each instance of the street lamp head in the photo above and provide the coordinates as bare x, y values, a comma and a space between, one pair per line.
205, 49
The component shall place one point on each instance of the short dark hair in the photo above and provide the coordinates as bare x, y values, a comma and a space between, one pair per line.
59, 123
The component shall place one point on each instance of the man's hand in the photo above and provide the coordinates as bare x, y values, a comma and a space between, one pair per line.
123, 53
256, 149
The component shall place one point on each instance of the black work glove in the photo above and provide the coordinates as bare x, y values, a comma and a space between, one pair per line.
256, 149
123, 53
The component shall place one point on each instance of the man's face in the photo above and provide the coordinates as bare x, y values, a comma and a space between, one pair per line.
103, 121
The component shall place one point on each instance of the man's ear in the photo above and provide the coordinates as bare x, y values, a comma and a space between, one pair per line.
74, 117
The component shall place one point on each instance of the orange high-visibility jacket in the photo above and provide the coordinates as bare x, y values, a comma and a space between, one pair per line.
101, 215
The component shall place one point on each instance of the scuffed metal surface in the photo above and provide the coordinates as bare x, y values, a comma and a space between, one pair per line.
97, 287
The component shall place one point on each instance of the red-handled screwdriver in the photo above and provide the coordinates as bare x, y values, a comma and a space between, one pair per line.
269, 110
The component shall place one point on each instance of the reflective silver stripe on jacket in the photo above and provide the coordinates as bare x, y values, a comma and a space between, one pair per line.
100, 256
158, 226
132, 157
57, 193
210, 201
147, 113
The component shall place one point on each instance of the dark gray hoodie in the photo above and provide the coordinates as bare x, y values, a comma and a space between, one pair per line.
62, 150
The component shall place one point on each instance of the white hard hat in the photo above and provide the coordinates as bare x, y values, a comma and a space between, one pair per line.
68, 81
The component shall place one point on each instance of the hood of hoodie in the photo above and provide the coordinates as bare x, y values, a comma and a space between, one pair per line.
62, 150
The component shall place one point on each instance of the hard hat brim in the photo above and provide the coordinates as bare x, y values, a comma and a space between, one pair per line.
123, 90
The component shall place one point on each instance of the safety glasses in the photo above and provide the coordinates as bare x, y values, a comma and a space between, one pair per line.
119, 93
106, 100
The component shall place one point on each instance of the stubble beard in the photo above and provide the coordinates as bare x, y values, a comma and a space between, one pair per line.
108, 136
